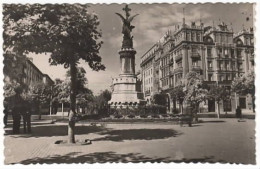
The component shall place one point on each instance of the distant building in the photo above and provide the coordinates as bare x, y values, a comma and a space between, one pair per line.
34, 75
215, 52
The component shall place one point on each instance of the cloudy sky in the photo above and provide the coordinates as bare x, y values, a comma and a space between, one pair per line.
151, 24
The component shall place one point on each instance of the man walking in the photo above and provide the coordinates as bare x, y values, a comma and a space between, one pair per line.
239, 113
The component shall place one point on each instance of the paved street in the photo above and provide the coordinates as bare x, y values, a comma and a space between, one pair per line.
224, 140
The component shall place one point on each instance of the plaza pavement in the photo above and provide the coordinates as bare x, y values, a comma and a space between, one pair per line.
214, 140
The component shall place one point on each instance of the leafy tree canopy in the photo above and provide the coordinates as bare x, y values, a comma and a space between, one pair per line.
68, 32
178, 93
160, 99
195, 93
244, 84
218, 93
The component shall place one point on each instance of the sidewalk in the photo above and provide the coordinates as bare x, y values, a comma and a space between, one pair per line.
214, 140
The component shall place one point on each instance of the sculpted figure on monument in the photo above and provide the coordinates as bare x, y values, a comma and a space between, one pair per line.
127, 27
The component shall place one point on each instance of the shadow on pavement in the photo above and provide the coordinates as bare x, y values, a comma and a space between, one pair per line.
54, 130
213, 121
137, 134
102, 157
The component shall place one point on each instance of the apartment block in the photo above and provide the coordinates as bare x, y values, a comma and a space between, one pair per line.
215, 52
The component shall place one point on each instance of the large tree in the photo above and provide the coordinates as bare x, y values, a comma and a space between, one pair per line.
39, 94
68, 32
218, 93
160, 99
245, 84
178, 94
101, 102
195, 92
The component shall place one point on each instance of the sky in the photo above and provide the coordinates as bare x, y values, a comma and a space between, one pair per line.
150, 25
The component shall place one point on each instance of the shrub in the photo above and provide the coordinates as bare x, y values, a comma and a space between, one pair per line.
131, 116
155, 116
118, 116
156, 109
165, 115
143, 116
175, 111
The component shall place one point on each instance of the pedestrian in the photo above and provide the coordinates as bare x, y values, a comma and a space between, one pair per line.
55, 105
26, 113
6, 110
16, 112
239, 113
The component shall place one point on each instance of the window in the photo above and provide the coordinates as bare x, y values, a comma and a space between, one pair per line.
210, 65
198, 37
220, 51
209, 52
220, 78
239, 53
194, 50
226, 52
221, 65
239, 66
228, 77
192, 36
210, 76
232, 53
251, 41
179, 64
227, 66
194, 63
188, 36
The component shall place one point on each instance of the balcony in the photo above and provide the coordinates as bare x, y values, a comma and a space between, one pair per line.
221, 69
210, 68
178, 70
147, 93
251, 58
195, 55
196, 68
178, 57
210, 56
171, 61
171, 73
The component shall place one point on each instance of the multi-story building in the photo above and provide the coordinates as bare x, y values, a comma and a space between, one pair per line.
147, 73
215, 52
34, 75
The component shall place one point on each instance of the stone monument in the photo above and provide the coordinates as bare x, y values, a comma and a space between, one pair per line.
125, 90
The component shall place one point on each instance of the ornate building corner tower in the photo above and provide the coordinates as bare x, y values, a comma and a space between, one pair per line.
125, 87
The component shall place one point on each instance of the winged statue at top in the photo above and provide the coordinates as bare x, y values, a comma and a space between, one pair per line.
127, 27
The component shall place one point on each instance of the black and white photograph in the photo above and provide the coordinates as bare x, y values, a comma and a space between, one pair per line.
131, 82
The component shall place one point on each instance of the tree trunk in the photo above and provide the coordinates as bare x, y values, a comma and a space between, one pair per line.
253, 103
72, 120
218, 110
40, 114
181, 108
62, 110
196, 113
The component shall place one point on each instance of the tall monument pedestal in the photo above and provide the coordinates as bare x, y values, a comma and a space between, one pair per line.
125, 92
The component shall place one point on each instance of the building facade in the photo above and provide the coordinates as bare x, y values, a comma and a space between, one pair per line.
34, 75
215, 52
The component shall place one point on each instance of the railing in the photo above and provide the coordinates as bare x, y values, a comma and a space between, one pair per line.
210, 68
252, 58
195, 55
195, 68
147, 93
178, 57
178, 70
171, 73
